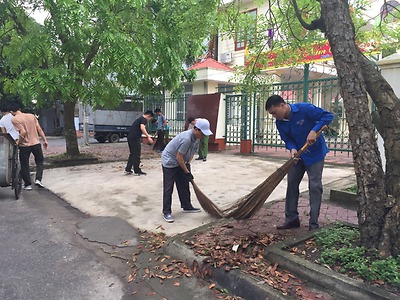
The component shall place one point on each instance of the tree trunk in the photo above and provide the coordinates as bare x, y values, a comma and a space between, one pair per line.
71, 140
388, 106
367, 162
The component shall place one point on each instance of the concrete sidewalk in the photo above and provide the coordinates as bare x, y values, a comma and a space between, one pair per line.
103, 190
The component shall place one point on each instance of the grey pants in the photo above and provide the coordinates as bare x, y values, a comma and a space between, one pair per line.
295, 175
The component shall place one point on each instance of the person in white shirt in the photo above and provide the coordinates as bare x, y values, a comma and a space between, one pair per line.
6, 125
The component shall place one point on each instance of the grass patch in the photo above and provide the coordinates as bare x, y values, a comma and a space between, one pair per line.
352, 189
341, 250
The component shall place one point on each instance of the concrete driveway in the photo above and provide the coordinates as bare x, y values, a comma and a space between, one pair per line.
104, 190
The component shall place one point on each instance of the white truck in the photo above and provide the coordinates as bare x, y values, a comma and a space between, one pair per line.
108, 125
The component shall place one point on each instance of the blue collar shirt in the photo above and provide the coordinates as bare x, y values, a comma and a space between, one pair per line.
305, 117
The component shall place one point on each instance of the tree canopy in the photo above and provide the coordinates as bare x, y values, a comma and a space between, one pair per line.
99, 51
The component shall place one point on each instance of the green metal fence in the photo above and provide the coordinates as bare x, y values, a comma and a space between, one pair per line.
173, 108
237, 125
246, 117
240, 109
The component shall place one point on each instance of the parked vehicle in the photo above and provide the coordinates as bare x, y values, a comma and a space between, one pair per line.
108, 125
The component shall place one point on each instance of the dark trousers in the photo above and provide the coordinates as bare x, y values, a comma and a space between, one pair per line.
171, 176
160, 143
135, 148
295, 175
24, 154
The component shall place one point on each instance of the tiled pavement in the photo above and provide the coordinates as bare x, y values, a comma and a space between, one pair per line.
266, 219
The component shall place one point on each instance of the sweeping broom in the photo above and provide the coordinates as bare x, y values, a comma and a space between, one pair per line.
248, 205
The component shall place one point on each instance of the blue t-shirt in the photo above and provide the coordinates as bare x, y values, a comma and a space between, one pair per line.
184, 143
305, 117
160, 122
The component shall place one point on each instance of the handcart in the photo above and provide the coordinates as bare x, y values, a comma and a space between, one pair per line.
10, 169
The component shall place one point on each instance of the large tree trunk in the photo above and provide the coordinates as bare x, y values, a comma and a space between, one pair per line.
368, 166
71, 140
388, 106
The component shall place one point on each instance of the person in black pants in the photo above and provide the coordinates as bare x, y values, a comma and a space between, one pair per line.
28, 143
176, 168
134, 141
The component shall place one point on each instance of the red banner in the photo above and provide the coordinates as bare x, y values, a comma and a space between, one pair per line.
319, 52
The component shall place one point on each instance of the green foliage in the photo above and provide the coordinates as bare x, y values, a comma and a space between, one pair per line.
99, 51
352, 189
289, 34
338, 248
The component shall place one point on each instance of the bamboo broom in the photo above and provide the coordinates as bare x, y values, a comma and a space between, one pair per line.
248, 205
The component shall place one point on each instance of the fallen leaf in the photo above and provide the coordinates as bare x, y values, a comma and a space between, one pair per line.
131, 277
212, 285
176, 283
380, 282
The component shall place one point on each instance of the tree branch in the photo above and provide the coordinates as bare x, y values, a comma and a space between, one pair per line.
314, 25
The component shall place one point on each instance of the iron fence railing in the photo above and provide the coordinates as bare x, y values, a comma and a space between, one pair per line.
322, 92
246, 117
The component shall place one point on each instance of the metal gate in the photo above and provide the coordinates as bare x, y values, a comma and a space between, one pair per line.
246, 117
237, 126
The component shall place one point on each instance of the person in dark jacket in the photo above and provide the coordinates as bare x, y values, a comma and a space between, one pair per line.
134, 141
298, 124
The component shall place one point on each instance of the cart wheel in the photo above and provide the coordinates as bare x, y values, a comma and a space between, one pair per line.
17, 183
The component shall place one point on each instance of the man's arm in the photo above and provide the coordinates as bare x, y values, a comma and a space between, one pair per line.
3, 130
322, 117
18, 127
181, 162
165, 123
41, 133
143, 129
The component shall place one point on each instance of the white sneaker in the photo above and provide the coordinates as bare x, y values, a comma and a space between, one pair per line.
27, 188
39, 183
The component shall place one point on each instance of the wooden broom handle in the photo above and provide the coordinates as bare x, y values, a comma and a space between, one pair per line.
306, 145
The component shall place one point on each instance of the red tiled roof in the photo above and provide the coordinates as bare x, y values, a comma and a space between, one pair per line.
210, 63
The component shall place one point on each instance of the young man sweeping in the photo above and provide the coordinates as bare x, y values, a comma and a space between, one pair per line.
298, 124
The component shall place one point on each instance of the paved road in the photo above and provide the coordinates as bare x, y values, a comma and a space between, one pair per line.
50, 250
43, 257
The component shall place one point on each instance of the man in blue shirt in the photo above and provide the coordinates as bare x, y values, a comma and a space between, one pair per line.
176, 168
298, 124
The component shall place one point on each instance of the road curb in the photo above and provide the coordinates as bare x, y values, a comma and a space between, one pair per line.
235, 281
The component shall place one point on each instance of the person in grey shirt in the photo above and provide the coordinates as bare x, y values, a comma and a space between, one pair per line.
176, 168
